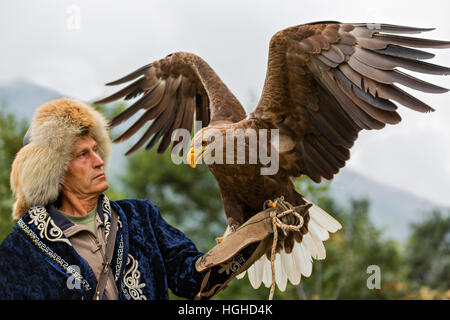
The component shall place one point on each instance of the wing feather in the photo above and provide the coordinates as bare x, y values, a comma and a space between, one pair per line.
148, 101
404, 52
172, 89
338, 79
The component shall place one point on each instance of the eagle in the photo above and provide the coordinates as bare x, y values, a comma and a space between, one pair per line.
325, 82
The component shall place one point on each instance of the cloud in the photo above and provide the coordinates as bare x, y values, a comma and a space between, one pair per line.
416, 161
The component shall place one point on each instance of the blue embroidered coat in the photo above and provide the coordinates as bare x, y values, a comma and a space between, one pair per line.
38, 262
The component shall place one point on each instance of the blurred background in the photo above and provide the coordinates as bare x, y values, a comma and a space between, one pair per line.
392, 198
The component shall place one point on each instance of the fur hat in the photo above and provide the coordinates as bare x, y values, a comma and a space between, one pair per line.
39, 168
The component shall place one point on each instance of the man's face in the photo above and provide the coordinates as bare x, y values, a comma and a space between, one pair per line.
85, 175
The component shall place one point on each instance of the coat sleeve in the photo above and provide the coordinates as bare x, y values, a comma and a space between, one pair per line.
179, 254
8, 270
23, 273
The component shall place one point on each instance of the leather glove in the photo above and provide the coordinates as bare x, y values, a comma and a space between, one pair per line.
239, 250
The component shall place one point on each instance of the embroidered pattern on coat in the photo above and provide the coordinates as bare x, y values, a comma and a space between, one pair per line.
106, 206
41, 219
130, 284
106, 216
119, 258
37, 241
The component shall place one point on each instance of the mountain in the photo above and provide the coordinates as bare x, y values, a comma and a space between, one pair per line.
391, 209
23, 97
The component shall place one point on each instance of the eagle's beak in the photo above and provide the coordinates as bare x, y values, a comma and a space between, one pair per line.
194, 157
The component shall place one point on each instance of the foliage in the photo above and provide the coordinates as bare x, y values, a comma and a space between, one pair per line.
350, 251
12, 132
428, 252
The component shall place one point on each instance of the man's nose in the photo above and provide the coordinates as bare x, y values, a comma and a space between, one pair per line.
97, 160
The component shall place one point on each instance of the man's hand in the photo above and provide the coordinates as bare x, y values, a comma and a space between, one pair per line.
241, 248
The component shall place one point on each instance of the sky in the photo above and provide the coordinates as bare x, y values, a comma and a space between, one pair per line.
77, 46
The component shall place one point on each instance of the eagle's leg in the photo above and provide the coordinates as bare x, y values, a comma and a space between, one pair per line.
268, 203
227, 232
232, 226
235, 214
219, 239
288, 238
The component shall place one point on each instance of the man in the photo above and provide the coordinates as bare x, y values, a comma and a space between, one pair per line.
71, 242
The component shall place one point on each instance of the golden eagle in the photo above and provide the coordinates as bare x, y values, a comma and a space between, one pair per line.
325, 82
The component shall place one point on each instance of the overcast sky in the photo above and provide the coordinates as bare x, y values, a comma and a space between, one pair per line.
77, 46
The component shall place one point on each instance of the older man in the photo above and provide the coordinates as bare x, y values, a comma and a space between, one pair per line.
71, 242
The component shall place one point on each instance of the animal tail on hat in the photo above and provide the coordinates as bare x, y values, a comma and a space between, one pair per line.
292, 266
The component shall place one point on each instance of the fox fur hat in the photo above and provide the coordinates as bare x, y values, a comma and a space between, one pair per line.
39, 167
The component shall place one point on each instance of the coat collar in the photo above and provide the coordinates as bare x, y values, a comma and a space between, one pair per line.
44, 227
103, 211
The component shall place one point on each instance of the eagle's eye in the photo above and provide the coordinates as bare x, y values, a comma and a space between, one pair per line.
204, 143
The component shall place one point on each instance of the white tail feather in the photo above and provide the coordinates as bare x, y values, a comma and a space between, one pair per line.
251, 271
324, 219
299, 262
317, 231
290, 267
242, 274
259, 270
255, 273
302, 260
267, 275
314, 247
280, 275
307, 261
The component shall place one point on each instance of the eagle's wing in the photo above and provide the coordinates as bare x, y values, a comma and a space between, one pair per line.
327, 81
172, 90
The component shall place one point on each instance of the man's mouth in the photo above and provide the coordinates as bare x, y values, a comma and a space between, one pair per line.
102, 175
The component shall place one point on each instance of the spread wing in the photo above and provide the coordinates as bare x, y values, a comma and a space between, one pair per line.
172, 90
327, 81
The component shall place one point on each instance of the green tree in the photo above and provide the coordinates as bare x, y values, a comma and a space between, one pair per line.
12, 132
428, 252
350, 251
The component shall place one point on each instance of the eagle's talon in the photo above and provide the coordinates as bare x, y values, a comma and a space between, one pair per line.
230, 229
219, 239
269, 203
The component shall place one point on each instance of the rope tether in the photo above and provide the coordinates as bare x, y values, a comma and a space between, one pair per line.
282, 209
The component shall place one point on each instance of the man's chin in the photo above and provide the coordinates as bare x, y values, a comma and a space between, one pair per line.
105, 187
101, 187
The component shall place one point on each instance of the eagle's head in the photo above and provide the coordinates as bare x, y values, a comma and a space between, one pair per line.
224, 144
206, 144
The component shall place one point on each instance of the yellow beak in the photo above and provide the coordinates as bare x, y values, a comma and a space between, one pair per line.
193, 157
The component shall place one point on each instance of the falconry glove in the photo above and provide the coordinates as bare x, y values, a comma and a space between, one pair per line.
241, 248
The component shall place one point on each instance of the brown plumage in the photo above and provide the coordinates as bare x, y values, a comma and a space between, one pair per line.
325, 82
